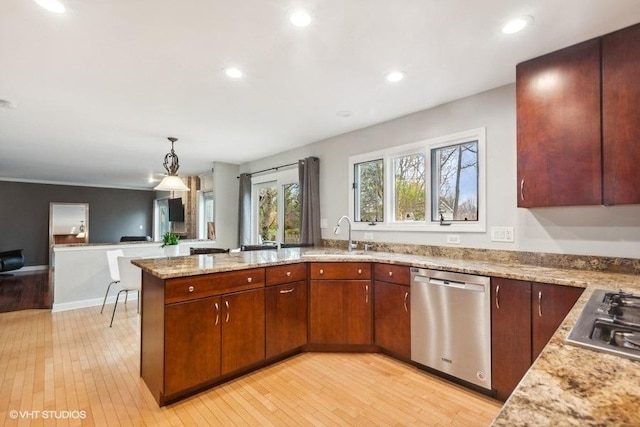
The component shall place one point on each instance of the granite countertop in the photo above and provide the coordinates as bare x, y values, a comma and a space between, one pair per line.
566, 385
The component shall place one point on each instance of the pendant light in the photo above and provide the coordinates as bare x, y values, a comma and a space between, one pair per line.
171, 182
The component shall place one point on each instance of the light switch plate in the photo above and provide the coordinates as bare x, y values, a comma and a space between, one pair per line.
453, 239
502, 234
323, 222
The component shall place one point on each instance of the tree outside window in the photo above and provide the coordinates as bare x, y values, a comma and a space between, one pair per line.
409, 187
369, 191
455, 182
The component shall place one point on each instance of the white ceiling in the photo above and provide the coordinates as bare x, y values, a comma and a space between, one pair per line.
98, 89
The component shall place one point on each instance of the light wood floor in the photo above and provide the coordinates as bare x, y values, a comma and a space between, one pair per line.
73, 361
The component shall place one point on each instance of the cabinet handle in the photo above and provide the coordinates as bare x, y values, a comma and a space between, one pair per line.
249, 279
288, 274
226, 303
217, 307
390, 273
191, 289
406, 295
497, 297
522, 189
540, 304
359, 271
287, 291
366, 294
321, 271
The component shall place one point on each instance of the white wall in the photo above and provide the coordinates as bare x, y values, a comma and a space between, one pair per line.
605, 231
225, 193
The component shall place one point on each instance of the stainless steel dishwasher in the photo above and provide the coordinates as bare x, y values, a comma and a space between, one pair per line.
451, 324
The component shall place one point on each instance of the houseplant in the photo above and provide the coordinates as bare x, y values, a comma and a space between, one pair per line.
170, 244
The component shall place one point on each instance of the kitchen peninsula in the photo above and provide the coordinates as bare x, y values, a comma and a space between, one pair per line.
565, 384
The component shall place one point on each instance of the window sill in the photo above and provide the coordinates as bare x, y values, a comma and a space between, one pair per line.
435, 228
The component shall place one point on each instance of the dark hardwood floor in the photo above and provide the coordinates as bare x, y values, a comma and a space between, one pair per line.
25, 290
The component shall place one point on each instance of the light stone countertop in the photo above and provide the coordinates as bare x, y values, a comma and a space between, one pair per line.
566, 385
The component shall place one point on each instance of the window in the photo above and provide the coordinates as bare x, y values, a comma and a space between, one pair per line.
455, 182
276, 208
409, 187
421, 186
267, 199
291, 207
369, 189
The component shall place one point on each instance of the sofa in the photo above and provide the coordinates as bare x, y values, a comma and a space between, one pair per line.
11, 260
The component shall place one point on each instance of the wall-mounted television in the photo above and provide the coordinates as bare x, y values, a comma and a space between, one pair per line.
176, 210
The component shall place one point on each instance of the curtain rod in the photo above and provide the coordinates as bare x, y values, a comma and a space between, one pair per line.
275, 168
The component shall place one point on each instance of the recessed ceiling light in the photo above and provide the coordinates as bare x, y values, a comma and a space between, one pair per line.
233, 72
300, 18
51, 5
344, 113
395, 76
517, 24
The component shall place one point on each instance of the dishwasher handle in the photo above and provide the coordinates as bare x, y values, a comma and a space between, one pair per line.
448, 283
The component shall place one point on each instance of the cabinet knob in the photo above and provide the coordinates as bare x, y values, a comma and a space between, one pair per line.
288, 274
249, 279
390, 273
191, 289
359, 271
321, 271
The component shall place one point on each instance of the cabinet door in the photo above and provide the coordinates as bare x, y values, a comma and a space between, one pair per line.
550, 304
340, 312
558, 125
286, 318
392, 319
621, 115
192, 344
510, 334
243, 333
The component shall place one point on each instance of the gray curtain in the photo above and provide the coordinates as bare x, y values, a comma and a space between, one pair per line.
244, 210
309, 175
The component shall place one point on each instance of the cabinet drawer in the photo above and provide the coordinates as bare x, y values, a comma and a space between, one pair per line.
390, 273
286, 274
188, 288
340, 271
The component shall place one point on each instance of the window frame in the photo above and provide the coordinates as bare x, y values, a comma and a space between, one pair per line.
423, 147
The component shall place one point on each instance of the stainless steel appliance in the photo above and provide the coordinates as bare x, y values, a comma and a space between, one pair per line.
451, 324
609, 322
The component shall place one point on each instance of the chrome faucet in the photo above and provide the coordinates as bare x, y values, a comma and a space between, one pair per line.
337, 231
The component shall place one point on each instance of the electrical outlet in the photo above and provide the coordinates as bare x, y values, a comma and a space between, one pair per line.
502, 234
453, 239
323, 223
368, 236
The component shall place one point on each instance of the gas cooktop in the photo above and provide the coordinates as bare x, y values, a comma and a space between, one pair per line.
609, 322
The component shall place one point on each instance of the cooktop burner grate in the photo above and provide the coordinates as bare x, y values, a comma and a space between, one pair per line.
609, 322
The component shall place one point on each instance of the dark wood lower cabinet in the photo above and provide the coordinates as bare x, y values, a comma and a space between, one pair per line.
524, 317
194, 335
549, 306
392, 319
341, 312
243, 330
286, 318
193, 356
510, 334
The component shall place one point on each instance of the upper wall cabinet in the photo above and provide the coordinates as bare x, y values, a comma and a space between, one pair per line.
621, 116
577, 110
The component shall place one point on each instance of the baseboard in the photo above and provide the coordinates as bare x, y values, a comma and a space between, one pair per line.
74, 305
31, 268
